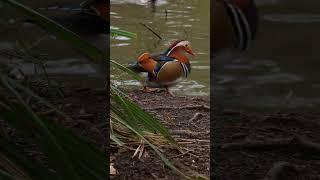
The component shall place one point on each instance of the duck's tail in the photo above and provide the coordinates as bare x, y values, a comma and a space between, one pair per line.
135, 67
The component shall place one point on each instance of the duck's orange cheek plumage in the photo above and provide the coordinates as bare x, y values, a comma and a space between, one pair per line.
149, 67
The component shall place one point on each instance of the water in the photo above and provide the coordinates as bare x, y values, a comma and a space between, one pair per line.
185, 19
281, 70
58, 56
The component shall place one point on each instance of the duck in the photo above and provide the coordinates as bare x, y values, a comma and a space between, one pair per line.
92, 14
234, 24
164, 69
96, 7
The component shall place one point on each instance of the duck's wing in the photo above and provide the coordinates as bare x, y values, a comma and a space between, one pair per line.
162, 58
169, 71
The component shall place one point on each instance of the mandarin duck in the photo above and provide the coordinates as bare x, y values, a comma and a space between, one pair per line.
96, 7
234, 24
165, 69
93, 14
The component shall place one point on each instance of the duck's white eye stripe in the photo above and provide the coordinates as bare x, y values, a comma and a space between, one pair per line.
182, 43
171, 50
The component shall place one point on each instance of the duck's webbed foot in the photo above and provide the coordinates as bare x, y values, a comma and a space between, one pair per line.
149, 90
169, 92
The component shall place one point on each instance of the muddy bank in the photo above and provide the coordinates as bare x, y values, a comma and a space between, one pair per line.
272, 146
188, 120
85, 107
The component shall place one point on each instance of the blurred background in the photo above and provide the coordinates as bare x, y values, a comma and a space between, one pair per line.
18, 33
281, 70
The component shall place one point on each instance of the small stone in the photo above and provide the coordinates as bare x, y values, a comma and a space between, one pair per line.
82, 111
12, 21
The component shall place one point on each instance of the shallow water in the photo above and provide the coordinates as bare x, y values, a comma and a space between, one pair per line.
58, 56
281, 70
185, 19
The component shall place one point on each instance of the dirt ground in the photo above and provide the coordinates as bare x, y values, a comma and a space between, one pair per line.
246, 146
188, 119
279, 146
276, 146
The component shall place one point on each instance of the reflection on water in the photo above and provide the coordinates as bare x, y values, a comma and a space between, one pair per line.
281, 70
172, 20
17, 34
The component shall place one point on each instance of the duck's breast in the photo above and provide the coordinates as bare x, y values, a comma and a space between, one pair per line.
169, 72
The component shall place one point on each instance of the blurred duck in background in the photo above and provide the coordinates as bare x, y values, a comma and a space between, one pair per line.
97, 8
89, 16
234, 24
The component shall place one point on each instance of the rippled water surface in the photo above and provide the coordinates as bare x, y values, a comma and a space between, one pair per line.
183, 19
16, 34
281, 70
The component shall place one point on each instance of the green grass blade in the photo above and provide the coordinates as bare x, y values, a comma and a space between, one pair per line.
125, 69
143, 118
31, 167
116, 140
149, 120
5, 176
163, 158
78, 148
126, 118
47, 142
76, 41
28, 91
117, 32
89, 161
126, 114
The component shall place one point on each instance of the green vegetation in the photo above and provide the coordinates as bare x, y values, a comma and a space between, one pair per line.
67, 156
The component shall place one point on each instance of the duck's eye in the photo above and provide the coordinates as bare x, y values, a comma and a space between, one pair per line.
186, 45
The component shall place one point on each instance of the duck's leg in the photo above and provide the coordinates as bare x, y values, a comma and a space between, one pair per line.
148, 90
169, 92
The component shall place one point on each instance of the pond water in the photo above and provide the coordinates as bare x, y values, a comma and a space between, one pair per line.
59, 57
185, 19
281, 70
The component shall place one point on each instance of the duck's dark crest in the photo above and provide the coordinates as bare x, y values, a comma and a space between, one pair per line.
172, 45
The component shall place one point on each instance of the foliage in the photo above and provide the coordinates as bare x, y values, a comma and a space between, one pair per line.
67, 156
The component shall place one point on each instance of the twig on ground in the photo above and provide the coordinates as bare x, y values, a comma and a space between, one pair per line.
179, 155
248, 155
193, 140
186, 132
195, 117
291, 119
295, 143
146, 26
49, 112
180, 107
